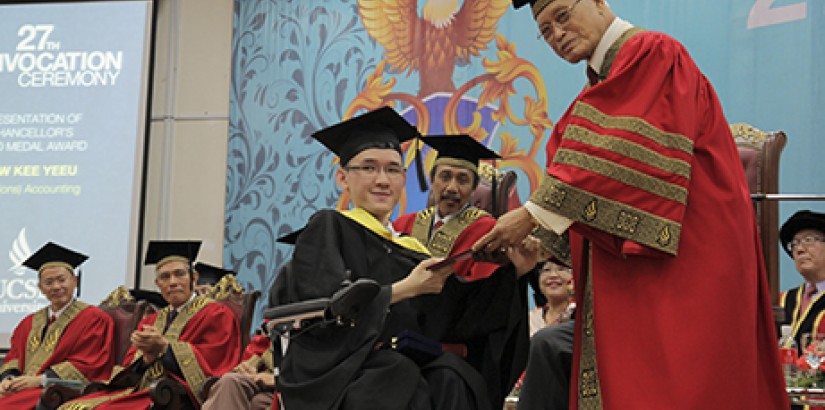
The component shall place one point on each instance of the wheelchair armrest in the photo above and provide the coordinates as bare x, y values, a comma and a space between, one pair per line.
306, 309
347, 303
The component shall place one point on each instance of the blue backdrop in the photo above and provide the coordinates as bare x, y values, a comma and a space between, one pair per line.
300, 66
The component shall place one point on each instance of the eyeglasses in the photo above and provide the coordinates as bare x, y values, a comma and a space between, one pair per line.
560, 20
394, 172
177, 273
806, 241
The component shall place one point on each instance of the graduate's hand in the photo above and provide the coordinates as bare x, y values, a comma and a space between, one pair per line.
421, 280
526, 255
20, 383
510, 230
149, 341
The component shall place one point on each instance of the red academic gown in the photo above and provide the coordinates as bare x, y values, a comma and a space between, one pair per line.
207, 343
645, 165
77, 346
467, 269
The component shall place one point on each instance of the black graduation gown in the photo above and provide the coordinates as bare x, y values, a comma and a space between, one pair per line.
338, 367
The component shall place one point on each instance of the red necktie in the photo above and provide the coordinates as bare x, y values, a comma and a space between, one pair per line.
810, 290
437, 225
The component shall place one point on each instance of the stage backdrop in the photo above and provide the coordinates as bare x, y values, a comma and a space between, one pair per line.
478, 68
73, 90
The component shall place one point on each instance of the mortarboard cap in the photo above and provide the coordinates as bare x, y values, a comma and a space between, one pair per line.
536, 5
161, 252
150, 296
381, 128
52, 254
210, 274
459, 150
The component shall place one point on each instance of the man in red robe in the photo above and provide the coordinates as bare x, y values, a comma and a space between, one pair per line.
191, 339
452, 225
644, 175
67, 340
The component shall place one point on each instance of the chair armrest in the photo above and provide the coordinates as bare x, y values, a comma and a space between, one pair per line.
54, 396
94, 387
207, 385
168, 393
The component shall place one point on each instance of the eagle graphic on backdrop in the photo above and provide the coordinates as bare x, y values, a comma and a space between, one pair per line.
432, 44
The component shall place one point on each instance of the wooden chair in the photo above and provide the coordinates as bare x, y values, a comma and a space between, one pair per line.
760, 152
506, 195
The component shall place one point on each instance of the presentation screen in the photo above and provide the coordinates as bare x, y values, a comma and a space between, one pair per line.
73, 87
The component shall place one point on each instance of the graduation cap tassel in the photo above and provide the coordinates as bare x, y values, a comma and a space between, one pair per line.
78, 282
493, 189
419, 165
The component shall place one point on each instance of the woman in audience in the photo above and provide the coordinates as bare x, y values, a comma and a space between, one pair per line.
554, 299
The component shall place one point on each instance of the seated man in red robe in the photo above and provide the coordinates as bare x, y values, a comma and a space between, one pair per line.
66, 340
191, 339
452, 225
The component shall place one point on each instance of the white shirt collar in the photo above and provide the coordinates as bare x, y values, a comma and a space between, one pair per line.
613, 32
819, 287
191, 298
444, 219
60, 312
392, 230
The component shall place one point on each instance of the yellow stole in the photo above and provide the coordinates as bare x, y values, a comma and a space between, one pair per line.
367, 220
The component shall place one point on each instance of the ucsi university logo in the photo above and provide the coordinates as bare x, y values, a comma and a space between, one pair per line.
18, 285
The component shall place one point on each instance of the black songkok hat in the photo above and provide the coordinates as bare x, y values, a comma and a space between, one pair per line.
161, 252
459, 150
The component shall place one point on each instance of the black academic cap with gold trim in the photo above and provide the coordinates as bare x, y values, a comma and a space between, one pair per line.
210, 274
460, 150
161, 252
381, 128
52, 254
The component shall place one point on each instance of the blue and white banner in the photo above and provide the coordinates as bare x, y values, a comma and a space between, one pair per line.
72, 113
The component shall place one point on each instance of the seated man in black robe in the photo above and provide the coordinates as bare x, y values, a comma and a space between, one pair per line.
344, 367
